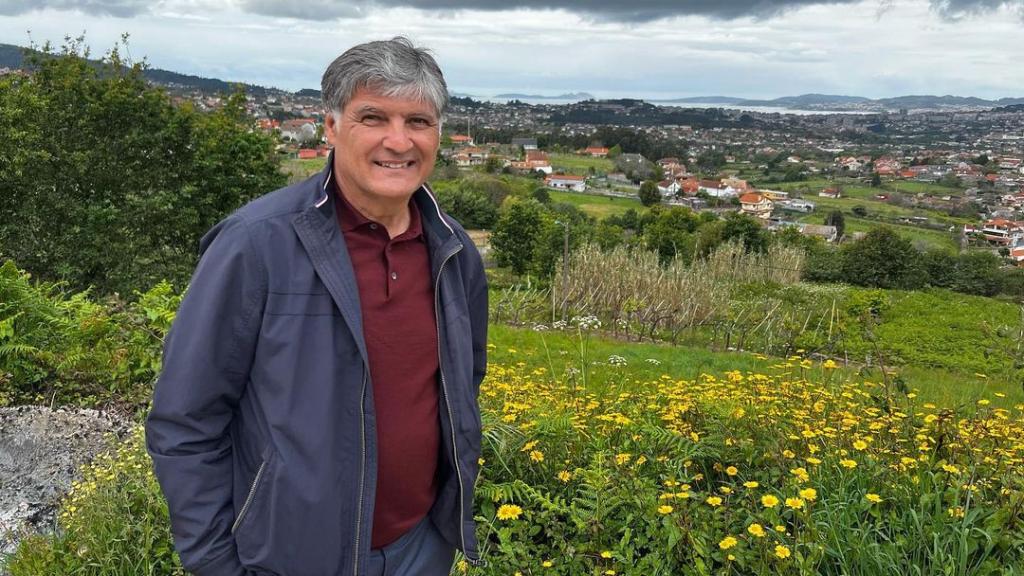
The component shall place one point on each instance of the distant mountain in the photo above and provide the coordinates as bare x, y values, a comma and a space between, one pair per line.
818, 100
703, 100
13, 57
840, 102
569, 96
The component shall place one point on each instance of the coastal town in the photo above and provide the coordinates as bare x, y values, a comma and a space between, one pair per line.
956, 173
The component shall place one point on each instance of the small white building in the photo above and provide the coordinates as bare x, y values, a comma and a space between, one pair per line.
668, 187
755, 205
566, 182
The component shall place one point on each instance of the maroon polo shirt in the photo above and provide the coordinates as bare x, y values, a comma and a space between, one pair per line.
396, 294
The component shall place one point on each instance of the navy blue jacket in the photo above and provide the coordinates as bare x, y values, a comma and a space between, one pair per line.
262, 430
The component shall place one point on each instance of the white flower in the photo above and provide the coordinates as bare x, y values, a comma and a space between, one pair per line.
616, 360
654, 361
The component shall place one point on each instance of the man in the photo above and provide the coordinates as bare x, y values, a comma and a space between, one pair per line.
317, 411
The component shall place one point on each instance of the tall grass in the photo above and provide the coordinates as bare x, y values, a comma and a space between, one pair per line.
637, 296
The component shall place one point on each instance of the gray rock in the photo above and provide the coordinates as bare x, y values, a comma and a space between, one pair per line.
41, 452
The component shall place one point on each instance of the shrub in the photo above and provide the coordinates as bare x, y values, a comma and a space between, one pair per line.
60, 349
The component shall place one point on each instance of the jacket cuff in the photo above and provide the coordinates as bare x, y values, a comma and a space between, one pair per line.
227, 564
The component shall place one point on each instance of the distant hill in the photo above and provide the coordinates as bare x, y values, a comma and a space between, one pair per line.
569, 96
840, 102
13, 57
702, 100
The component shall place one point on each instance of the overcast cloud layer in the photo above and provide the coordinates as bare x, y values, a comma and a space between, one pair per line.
754, 49
614, 10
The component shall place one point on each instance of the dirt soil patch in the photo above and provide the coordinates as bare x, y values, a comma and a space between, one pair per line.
41, 451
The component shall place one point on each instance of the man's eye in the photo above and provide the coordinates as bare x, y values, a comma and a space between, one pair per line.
421, 122
371, 119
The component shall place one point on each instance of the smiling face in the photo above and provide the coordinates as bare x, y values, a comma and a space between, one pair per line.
384, 149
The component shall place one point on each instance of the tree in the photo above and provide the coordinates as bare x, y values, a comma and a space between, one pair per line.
614, 152
671, 233
876, 180
471, 207
746, 229
835, 218
105, 183
882, 259
710, 161
649, 194
517, 233
977, 273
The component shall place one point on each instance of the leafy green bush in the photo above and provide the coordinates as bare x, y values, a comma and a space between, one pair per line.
104, 182
59, 349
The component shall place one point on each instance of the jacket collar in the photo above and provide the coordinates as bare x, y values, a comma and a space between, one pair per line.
435, 223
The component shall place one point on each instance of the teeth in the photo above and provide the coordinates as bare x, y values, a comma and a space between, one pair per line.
394, 164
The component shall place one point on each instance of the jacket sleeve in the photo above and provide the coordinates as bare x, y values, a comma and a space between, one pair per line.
206, 361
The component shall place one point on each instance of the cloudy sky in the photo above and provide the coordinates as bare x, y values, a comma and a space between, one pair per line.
610, 48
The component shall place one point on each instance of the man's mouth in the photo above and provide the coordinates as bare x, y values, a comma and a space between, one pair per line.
394, 165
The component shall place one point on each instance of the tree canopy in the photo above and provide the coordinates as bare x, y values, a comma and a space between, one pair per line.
104, 182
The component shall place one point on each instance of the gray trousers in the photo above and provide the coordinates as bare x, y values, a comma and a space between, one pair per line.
419, 552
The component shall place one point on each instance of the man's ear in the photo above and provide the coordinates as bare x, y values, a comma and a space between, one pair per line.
330, 125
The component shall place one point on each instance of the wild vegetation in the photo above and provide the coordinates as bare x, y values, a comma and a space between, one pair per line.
688, 394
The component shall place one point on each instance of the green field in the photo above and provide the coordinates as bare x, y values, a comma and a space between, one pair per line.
581, 165
595, 205
298, 170
931, 238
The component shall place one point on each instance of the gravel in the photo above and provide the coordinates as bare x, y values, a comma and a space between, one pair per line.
41, 451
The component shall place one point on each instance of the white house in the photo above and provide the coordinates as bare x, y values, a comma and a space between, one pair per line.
566, 182
668, 187
755, 205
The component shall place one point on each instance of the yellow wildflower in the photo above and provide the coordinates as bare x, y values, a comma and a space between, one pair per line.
727, 542
509, 512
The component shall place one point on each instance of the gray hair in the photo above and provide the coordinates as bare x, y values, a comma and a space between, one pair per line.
393, 68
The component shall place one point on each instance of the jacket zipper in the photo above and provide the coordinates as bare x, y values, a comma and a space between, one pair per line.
447, 401
249, 497
362, 471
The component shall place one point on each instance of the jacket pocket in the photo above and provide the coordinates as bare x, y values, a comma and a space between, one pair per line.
254, 489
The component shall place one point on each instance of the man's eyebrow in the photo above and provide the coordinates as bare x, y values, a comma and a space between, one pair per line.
367, 108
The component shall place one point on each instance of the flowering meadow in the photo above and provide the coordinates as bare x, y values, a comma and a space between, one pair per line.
797, 470
605, 464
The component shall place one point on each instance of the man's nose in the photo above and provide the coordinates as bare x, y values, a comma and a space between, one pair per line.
397, 137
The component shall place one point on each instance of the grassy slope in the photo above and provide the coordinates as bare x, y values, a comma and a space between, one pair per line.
596, 205
548, 350
573, 164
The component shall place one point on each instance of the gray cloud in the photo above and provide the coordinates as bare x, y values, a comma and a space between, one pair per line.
308, 9
611, 10
119, 8
955, 9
